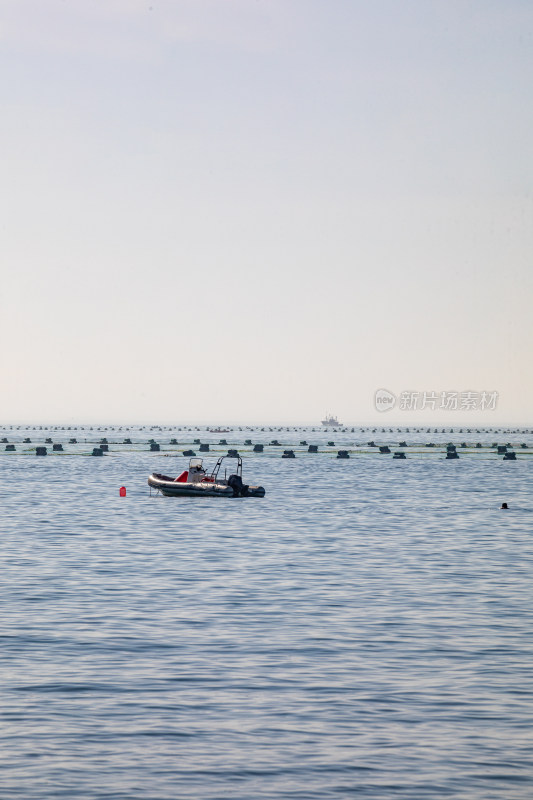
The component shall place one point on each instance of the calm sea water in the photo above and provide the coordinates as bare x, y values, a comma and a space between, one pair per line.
365, 630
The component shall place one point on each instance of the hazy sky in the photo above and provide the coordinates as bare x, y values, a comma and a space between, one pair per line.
263, 210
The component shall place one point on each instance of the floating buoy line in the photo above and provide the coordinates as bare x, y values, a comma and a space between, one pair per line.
288, 442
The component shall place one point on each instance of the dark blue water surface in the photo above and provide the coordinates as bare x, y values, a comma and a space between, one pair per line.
365, 630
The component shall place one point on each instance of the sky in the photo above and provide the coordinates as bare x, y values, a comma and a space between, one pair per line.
220, 211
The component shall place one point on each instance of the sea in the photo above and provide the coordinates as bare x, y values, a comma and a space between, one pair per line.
362, 631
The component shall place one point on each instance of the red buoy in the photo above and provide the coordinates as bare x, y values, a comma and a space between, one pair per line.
122, 491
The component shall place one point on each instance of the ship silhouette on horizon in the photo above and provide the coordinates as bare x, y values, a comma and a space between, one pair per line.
331, 421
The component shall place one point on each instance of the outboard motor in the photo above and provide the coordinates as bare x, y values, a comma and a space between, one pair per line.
239, 488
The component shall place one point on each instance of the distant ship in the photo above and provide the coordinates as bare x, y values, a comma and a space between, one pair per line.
331, 422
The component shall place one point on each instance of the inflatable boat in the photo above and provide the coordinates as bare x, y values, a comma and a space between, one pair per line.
196, 482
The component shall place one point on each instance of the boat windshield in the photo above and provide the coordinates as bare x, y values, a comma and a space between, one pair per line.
196, 463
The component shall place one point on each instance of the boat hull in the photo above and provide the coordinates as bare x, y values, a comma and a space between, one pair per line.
170, 488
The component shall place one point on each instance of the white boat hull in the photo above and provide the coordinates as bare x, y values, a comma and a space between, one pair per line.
171, 488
